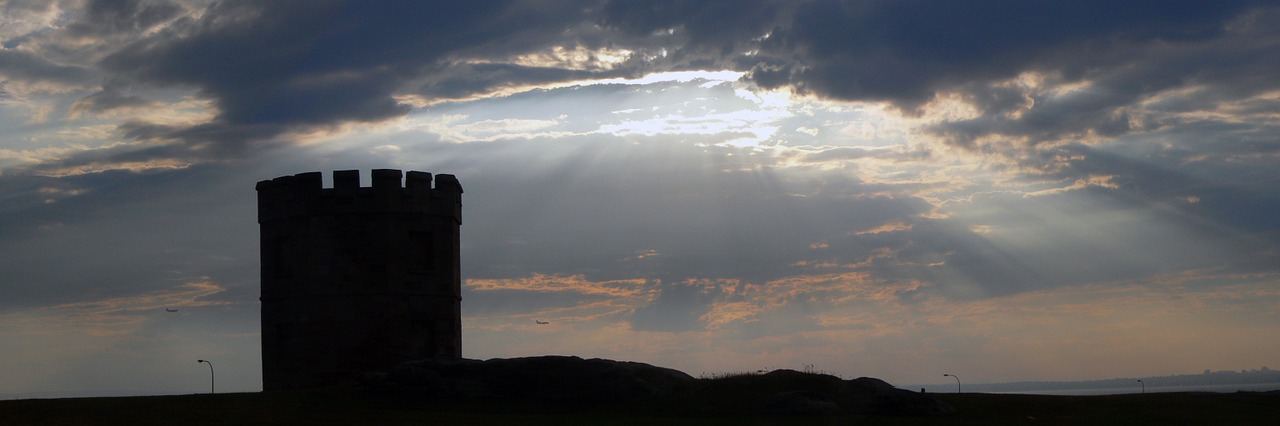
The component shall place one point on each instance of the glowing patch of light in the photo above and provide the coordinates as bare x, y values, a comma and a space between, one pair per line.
671, 76
1092, 181
981, 229
754, 123
455, 128
949, 107
578, 58
887, 227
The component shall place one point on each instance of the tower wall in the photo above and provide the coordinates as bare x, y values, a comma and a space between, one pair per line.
357, 279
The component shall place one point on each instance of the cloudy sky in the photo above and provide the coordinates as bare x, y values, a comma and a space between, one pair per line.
1001, 190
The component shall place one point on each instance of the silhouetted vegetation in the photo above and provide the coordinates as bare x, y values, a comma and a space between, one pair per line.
334, 406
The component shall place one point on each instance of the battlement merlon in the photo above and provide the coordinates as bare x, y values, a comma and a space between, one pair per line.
304, 194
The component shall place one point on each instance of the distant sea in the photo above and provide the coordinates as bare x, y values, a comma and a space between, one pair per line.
1229, 388
1225, 381
1100, 390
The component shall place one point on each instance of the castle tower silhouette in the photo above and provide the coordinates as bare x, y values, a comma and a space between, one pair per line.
357, 279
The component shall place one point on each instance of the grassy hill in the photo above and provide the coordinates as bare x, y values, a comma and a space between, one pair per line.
342, 407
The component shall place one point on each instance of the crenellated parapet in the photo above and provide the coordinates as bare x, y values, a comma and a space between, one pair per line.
304, 194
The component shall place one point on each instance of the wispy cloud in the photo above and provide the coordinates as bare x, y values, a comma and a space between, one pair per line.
550, 283
114, 315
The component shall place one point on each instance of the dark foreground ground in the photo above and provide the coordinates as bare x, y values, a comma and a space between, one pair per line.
336, 407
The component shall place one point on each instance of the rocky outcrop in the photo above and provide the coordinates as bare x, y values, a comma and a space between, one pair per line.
875, 396
794, 392
542, 378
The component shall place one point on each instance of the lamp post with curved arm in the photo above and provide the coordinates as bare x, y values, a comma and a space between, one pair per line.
210, 373
1144, 385
957, 381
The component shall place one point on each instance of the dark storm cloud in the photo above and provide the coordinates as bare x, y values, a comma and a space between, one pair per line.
107, 17
1230, 191
280, 66
1209, 72
276, 66
695, 32
905, 51
26, 66
109, 98
461, 81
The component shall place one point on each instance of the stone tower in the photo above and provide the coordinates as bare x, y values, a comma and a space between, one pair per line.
357, 279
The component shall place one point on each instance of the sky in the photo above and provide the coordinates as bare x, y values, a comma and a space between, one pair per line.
1000, 190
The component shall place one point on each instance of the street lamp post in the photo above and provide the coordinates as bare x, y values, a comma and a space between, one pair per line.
1144, 386
210, 373
957, 381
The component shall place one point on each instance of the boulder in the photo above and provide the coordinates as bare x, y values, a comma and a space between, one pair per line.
874, 396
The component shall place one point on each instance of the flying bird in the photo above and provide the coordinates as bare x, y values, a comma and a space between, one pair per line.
542, 322
170, 310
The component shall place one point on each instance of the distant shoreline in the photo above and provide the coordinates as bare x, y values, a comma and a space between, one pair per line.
1223, 388
1066, 390
1260, 380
